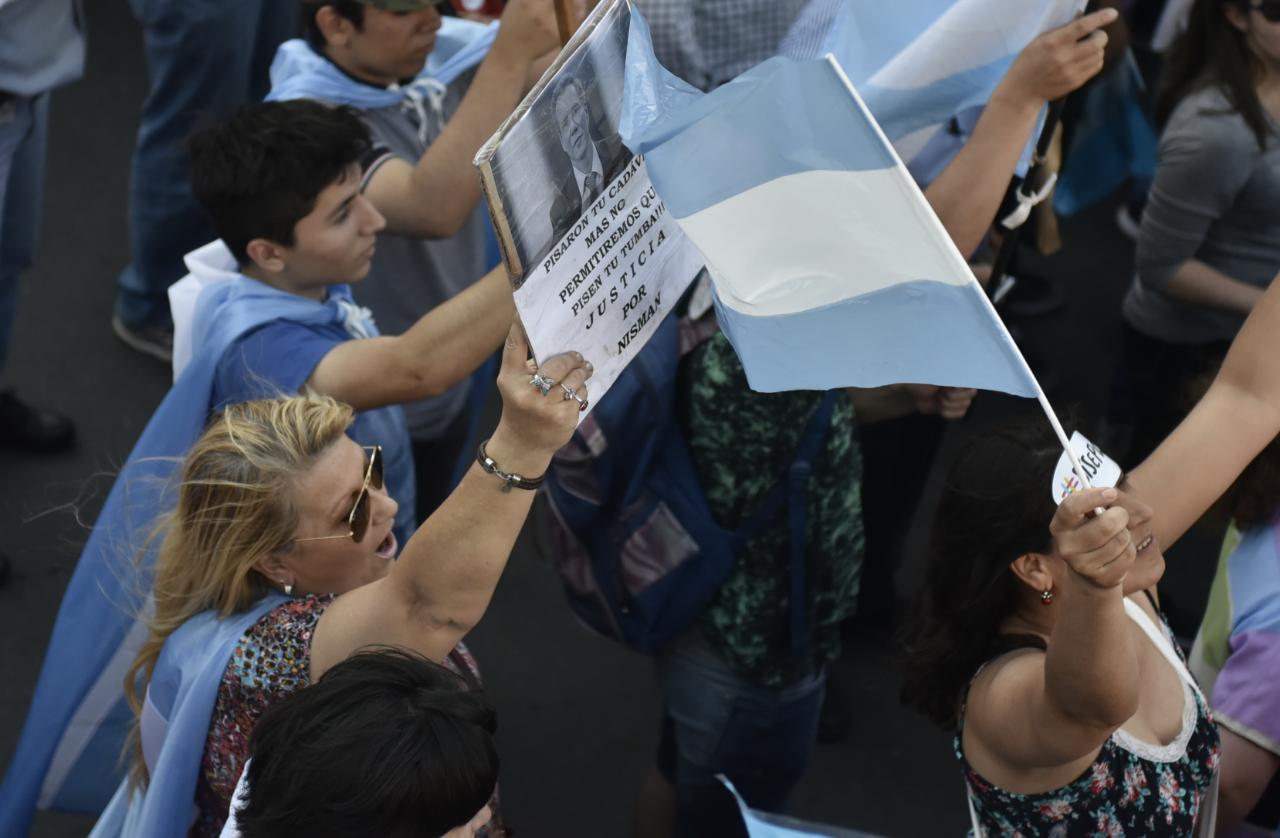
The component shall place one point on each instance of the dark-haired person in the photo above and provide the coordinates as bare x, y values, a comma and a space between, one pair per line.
1237, 650
386, 743
1043, 646
1210, 237
281, 184
413, 77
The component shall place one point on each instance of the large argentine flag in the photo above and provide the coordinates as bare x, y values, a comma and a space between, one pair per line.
830, 268
928, 61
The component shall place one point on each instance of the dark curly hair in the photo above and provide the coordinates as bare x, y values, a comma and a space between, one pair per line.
386, 744
259, 172
996, 505
1254, 499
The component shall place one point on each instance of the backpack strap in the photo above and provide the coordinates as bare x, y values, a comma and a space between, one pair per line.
811, 443
793, 489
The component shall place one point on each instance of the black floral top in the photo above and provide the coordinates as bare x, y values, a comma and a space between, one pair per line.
1133, 788
271, 661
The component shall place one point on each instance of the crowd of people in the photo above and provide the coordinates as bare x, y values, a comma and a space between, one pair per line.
315, 535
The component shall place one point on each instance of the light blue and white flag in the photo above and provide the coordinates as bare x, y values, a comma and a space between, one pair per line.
926, 62
830, 268
769, 825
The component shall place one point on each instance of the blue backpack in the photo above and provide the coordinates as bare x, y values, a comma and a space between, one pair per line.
637, 547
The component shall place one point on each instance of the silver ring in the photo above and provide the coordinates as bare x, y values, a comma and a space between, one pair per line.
541, 383
570, 393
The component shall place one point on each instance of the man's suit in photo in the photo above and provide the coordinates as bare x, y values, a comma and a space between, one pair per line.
566, 206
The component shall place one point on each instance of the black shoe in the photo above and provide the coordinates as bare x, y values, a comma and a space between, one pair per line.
6, 567
30, 429
156, 341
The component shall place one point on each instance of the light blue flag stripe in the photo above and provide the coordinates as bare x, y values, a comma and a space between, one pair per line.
770, 825
921, 332
830, 268
865, 39
699, 154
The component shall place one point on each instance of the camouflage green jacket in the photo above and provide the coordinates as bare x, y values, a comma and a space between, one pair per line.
742, 442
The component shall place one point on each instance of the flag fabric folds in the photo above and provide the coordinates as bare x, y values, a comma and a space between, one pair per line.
929, 61
829, 267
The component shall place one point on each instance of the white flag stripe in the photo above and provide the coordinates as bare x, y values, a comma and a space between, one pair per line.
844, 239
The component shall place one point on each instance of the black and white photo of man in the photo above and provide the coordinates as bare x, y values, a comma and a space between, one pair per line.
563, 145
593, 162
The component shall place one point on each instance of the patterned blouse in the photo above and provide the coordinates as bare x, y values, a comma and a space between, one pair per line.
1133, 787
271, 661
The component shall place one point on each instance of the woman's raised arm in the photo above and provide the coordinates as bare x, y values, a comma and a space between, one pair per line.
441, 585
1237, 418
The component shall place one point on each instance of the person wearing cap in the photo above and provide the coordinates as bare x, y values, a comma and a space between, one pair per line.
432, 89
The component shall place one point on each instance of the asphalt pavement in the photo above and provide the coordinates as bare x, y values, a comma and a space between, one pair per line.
578, 714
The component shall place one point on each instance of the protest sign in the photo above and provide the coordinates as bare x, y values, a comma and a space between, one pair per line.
605, 287
595, 260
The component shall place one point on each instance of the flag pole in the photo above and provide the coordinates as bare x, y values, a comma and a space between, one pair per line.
952, 253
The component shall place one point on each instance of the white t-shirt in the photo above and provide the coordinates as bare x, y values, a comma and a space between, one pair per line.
238, 798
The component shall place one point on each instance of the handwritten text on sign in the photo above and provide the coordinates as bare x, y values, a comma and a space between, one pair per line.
605, 287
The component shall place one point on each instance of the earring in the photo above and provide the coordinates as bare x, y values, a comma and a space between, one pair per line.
1046, 597
288, 588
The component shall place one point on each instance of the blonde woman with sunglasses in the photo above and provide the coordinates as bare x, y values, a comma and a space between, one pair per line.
280, 561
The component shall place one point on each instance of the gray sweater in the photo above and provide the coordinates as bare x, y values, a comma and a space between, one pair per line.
1216, 198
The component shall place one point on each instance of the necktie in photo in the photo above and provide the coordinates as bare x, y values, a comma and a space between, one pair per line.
590, 189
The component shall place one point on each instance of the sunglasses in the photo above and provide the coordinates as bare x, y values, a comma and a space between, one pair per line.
358, 520
1269, 9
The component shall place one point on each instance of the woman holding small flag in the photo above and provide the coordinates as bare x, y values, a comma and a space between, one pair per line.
1045, 650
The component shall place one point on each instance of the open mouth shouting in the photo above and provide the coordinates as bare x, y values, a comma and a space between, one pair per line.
387, 549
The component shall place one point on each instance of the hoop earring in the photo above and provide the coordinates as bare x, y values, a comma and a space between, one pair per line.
288, 588
1046, 597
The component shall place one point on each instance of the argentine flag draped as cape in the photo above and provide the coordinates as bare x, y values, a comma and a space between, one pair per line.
68, 756
830, 269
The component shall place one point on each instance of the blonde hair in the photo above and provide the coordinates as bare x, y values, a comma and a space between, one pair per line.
235, 505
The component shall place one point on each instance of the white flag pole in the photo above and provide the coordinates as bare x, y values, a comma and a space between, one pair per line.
952, 253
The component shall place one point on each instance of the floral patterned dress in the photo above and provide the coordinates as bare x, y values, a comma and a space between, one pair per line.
1132, 788
271, 661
